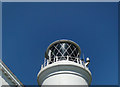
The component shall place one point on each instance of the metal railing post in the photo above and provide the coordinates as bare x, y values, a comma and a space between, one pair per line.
47, 62
67, 58
42, 66
44, 62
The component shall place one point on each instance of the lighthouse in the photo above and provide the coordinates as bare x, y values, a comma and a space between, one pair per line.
64, 66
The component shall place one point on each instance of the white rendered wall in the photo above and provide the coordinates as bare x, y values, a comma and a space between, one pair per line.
65, 79
4, 80
64, 73
0, 78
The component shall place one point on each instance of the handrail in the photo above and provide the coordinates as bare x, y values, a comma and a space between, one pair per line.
60, 58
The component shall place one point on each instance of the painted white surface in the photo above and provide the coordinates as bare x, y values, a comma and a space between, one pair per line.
0, 78
5, 80
64, 73
64, 79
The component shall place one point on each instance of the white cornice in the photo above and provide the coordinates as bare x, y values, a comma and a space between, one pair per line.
5, 70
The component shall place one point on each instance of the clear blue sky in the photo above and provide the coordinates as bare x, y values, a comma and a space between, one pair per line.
29, 28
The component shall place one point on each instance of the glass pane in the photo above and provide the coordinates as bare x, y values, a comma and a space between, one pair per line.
69, 51
59, 54
65, 54
58, 46
55, 51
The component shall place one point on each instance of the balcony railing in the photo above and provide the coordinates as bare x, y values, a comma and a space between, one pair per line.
61, 58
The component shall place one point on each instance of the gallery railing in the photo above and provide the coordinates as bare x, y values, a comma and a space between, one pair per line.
61, 58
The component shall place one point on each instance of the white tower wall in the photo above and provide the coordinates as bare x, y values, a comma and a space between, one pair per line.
64, 73
62, 79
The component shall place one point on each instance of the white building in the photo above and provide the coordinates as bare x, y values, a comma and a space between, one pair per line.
63, 65
7, 78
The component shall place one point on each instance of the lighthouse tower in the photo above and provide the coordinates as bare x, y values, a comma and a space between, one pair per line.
63, 65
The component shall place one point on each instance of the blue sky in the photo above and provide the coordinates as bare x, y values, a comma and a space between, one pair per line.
29, 28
